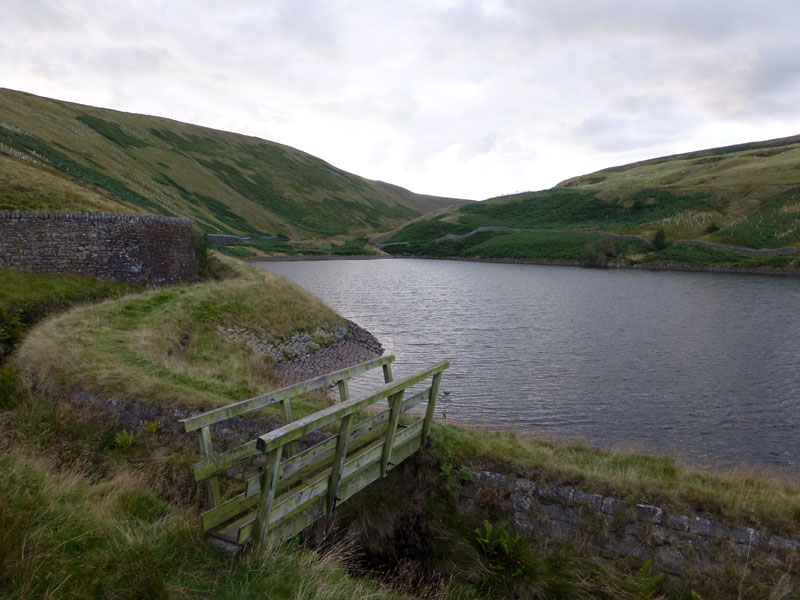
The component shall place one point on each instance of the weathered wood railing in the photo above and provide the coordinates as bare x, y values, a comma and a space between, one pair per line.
291, 489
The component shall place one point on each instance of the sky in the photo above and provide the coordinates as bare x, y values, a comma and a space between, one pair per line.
460, 98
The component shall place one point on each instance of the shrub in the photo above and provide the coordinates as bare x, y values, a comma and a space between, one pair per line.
660, 240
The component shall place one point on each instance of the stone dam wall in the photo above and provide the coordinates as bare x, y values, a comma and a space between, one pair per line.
147, 249
675, 543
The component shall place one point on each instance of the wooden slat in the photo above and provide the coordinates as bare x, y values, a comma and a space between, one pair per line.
344, 391
343, 440
245, 406
208, 450
292, 493
286, 410
394, 418
225, 460
269, 482
305, 464
299, 428
426, 429
222, 461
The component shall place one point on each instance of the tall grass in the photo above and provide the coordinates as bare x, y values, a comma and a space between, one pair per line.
62, 536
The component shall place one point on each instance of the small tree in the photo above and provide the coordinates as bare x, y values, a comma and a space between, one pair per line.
660, 241
598, 253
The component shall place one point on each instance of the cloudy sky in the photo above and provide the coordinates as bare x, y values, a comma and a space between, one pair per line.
464, 98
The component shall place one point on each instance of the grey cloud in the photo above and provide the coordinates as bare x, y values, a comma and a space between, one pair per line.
483, 83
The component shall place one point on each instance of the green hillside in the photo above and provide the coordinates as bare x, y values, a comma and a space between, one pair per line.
60, 155
745, 196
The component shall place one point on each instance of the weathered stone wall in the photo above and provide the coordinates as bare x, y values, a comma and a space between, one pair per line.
134, 248
674, 542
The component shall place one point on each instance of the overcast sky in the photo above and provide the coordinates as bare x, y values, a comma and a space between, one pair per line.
469, 99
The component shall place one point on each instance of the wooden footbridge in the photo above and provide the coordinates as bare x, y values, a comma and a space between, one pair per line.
267, 487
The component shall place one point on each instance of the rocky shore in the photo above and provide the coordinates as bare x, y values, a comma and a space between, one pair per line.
358, 346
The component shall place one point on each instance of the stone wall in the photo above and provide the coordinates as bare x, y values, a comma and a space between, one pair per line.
674, 542
134, 248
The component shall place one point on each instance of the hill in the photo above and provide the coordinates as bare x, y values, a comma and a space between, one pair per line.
60, 155
745, 196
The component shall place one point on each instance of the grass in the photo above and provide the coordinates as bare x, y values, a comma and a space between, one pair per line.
78, 170
744, 195
64, 536
169, 346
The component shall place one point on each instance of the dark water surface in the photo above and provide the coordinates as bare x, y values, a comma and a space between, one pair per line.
703, 366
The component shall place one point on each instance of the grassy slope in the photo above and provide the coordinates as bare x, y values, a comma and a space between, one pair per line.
27, 186
225, 182
747, 195
165, 346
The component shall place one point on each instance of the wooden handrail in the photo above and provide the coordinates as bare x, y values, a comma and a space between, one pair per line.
244, 406
293, 431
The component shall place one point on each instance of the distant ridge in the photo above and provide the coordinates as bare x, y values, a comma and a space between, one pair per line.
730, 207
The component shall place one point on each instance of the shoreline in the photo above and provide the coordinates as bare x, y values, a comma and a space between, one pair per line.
543, 262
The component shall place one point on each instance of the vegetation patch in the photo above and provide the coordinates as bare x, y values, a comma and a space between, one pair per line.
112, 132
554, 247
580, 209
775, 224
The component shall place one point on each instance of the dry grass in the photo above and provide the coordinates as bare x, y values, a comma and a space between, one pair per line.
164, 346
62, 536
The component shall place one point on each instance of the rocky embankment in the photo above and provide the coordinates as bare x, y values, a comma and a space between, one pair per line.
358, 346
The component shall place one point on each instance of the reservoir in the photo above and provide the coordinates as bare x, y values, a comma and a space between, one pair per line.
701, 366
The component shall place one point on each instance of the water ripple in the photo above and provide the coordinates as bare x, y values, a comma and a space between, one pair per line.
704, 366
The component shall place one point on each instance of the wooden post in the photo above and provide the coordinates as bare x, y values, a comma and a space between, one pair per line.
395, 404
208, 450
426, 427
286, 409
387, 372
338, 461
269, 481
344, 391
